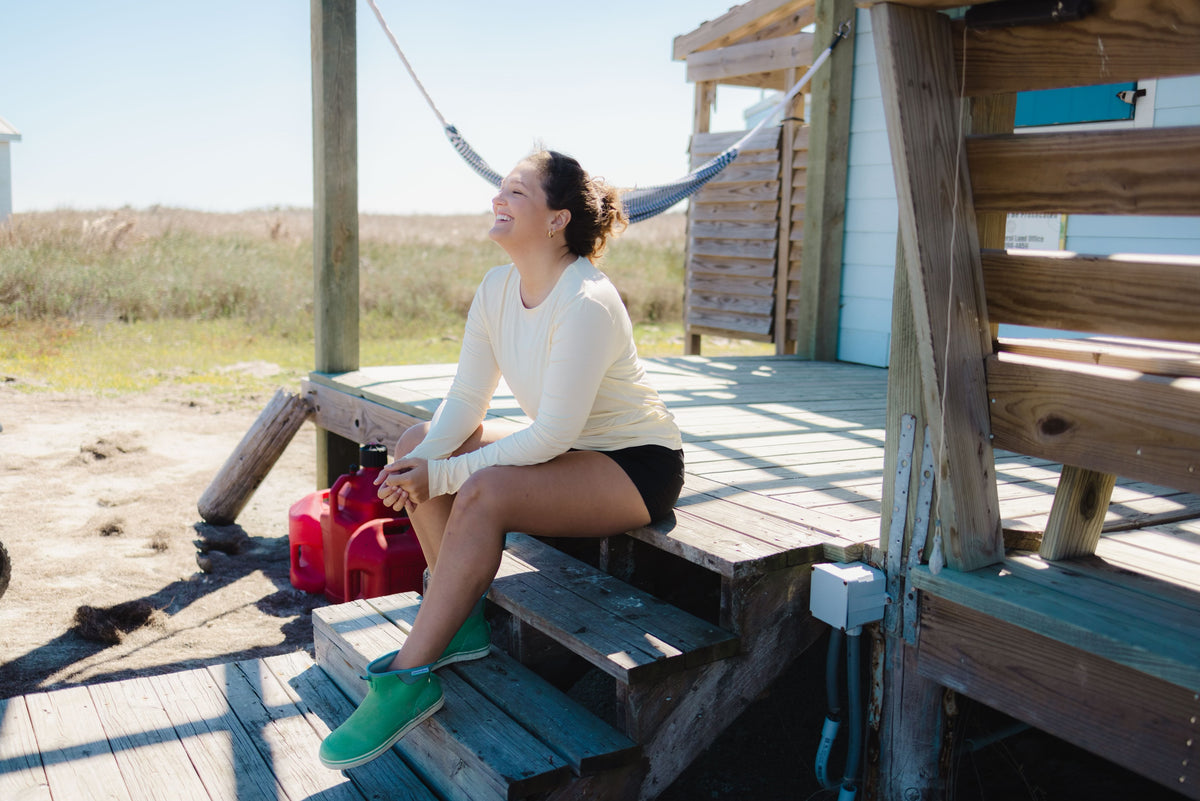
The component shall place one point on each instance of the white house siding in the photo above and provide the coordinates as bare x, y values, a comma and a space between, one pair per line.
869, 247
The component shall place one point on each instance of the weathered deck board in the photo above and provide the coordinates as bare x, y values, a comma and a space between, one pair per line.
241, 731
76, 754
21, 772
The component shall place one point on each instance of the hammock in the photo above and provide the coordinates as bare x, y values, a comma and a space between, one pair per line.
640, 203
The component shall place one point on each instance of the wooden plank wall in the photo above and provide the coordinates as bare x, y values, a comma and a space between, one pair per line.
733, 233
796, 233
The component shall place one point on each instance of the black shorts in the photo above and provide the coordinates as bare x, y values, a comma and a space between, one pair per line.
657, 472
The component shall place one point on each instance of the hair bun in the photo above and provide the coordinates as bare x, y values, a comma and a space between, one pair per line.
597, 212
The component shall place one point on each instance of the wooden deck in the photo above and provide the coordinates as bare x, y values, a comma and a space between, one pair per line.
797, 440
242, 731
784, 459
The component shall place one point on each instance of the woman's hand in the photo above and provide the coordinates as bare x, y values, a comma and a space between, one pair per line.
404, 482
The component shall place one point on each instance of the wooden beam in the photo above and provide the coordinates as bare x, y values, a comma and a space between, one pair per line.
1077, 515
990, 115
335, 210
1148, 296
705, 145
355, 418
768, 55
1122, 714
706, 95
1143, 171
741, 23
1121, 40
825, 191
783, 226
253, 458
1108, 419
941, 254
1157, 358
911, 714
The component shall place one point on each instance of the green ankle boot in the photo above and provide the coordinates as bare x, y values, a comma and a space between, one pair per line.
473, 640
397, 700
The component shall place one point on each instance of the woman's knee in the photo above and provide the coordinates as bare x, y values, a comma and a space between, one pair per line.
483, 493
411, 438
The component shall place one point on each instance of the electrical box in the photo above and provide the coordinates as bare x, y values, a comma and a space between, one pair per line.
847, 596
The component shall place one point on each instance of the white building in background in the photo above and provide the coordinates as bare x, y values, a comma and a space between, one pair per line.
7, 134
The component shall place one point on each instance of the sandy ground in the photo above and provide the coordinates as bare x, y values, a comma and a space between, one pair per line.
98, 509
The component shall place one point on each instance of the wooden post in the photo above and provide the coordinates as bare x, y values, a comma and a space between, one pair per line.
253, 458
335, 210
923, 118
706, 95
913, 730
825, 193
911, 718
783, 250
1077, 515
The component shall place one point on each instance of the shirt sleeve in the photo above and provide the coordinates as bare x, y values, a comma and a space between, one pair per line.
466, 403
580, 352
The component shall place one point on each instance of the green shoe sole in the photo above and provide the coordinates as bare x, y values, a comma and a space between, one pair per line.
463, 656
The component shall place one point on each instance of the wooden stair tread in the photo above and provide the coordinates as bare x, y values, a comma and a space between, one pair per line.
469, 743
625, 632
476, 746
1086, 607
587, 743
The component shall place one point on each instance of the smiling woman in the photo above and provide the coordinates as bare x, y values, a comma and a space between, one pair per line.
601, 456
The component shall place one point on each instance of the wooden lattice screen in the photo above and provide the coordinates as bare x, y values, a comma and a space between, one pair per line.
734, 230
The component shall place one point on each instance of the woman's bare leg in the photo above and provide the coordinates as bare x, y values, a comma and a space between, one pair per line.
581, 494
429, 518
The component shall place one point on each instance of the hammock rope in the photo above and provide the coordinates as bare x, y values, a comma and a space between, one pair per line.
641, 203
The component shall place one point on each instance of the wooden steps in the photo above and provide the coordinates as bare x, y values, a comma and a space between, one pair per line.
470, 749
780, 457
504, 731
627, 633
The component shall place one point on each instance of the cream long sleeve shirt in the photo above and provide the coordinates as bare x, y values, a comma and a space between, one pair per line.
571, 364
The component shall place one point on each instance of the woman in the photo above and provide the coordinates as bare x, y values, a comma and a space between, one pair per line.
602, 455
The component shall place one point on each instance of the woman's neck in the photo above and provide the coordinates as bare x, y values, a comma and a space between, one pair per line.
540, 271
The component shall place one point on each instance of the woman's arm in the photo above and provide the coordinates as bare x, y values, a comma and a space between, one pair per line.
581, 350
465, 405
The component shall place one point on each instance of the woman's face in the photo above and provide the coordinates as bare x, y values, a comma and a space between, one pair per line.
521, 213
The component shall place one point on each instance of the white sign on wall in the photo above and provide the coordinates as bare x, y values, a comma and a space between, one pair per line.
1035, 231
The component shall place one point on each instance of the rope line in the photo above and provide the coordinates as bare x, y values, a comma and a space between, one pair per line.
640, 203
412, 74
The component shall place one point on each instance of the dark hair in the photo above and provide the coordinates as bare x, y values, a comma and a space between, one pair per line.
595, 206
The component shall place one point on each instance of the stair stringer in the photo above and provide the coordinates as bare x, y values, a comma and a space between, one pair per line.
677, 718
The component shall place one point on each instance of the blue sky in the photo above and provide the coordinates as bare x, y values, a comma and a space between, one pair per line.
207, 104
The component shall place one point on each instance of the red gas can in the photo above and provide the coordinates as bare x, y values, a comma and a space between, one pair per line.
383, 557
353, 500
307, 570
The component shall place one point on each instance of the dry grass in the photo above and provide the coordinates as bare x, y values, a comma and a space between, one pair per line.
127, 299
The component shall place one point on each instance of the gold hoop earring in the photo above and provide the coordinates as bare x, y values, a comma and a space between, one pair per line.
550, 234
